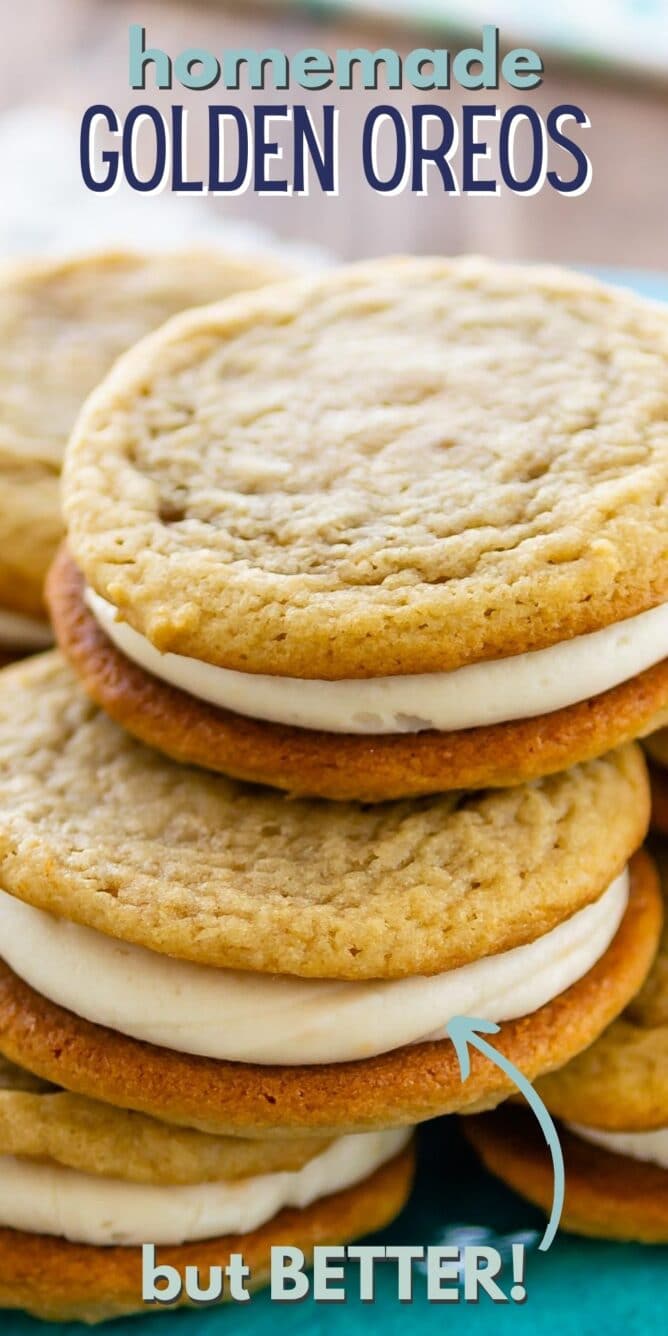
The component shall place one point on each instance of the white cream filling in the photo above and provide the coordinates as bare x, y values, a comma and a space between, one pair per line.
651, 1147
494, 692
23, 633
51, 1199
263, 1018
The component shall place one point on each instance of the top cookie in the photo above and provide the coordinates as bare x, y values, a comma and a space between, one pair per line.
62, 324
105, 832
403, 466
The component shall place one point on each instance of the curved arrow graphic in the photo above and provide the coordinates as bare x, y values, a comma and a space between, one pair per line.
467, 1031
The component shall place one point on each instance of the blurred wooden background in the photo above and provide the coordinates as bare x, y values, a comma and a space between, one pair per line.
69, 53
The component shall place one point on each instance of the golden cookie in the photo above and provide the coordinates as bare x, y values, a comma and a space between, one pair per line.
466, 475
607, 1196
398, 1088
43, 1121
62, 324
68, 1282
99, 830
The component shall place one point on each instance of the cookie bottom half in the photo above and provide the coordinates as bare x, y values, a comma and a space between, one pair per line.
341, 766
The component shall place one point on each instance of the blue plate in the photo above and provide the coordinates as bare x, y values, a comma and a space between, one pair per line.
578, 1288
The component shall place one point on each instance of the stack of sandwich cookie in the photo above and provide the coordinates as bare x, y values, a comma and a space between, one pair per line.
181, 944
434, 559
63, 323
84, 1185
613, 1100
657, 749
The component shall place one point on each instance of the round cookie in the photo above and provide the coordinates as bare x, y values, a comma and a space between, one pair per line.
62, 325
476, 501
621, 1082
43, 1121
66, 1282
402, 1087
607, 1196
99, 830
333, 765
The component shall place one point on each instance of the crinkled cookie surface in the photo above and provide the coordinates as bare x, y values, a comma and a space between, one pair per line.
403, 466
62, 324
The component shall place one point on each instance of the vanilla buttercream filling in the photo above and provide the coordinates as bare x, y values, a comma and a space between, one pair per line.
493, 692
263, 1018
23, 633
652, 1147
48, 1198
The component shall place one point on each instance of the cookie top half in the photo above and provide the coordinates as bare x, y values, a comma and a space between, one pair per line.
62, 324
103, 831
403, 466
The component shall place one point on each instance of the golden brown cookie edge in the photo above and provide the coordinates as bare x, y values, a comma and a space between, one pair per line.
607, 1196
337, 765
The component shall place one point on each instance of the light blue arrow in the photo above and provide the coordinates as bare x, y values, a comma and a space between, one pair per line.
468, 1030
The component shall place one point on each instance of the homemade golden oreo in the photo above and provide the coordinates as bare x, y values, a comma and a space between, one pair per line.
607, 1196
84, 1185
63, 323
397, 1088
140, 901
433, 559
64, 1282
612, 1101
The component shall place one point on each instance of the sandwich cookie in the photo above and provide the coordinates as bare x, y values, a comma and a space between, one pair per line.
178, 943
612, 1101
657, 749
63, 323
391, 531
74, 1211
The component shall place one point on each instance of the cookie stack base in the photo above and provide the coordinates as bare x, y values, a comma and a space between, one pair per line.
66, 1282
607, 1195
